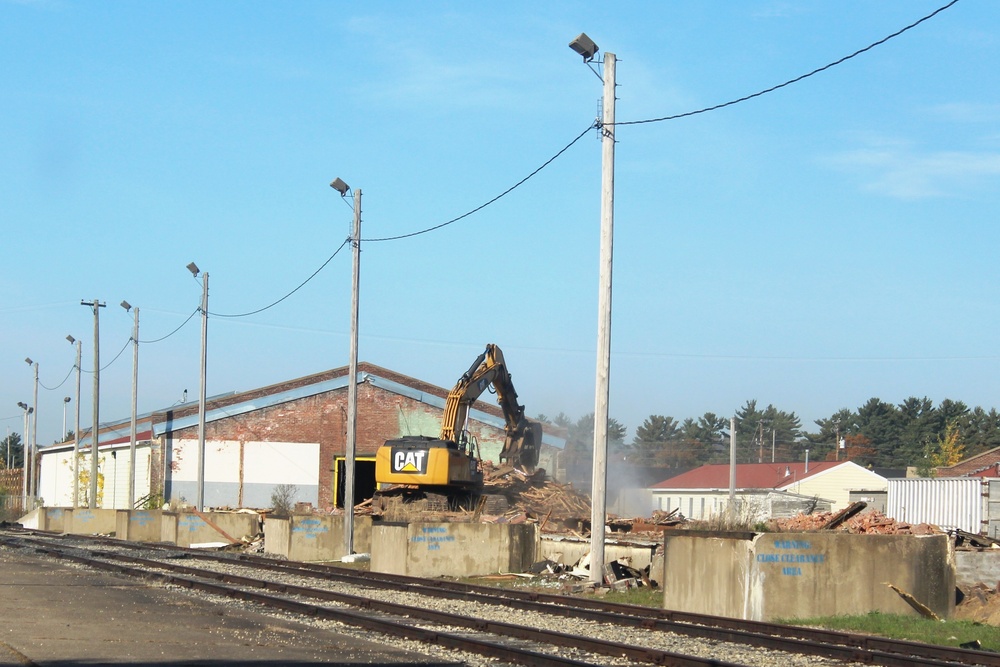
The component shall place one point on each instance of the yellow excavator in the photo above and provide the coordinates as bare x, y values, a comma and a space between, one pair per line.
447, 469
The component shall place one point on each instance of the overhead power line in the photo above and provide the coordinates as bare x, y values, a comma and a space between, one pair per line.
796, 79
301, 285
498, 197
42, 385
108, 365
157, 340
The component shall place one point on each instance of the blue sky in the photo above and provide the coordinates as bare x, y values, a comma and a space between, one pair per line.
828, 242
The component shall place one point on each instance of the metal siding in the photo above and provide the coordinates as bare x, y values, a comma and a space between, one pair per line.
949, 503
291, 462
265, 465
55, 480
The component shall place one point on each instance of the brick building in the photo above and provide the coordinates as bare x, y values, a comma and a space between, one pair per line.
986, 464
292, 433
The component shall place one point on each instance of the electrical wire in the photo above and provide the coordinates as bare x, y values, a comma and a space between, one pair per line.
40, 384
108, 365
796, 79
499, 196
157, 340
301, 285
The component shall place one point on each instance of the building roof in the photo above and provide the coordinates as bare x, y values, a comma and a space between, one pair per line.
749, 475
232, 404
985, 464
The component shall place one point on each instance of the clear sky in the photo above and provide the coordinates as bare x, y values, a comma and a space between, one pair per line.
810, 248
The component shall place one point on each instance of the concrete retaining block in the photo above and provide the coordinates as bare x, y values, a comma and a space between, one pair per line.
139, 525
977, 566
55, 519
804, 575
187, 528
83, 521
453, 549
313, 537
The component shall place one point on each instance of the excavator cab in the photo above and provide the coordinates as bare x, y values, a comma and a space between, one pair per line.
424, 461
449, 464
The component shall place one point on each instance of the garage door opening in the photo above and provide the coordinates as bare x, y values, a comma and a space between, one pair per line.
364, 480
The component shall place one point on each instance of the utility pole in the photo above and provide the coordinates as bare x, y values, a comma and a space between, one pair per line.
600, 474
76, 426
836, 445
24, 456
95, 429
135, 385
732, 468
34, 438
352, 384
350, 444
204, 377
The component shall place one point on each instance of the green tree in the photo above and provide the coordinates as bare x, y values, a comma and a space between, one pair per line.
983, 431
880, 423
920, 425
12, 451
652, 440
580, 442
758, 430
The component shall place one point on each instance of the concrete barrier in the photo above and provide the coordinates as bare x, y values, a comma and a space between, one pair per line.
805, 575
83, 521
54, 519
187, 528
139, 525
977, 566
453, 549
311, 537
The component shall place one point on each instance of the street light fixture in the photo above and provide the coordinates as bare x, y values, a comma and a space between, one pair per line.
584, 46
350, 445
588, 49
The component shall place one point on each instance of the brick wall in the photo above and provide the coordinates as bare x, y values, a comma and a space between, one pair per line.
322, 418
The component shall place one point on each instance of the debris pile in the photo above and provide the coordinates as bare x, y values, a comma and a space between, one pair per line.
980, 604
868, 523
535, 495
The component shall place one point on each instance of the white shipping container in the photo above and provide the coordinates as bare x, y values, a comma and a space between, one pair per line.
950, 503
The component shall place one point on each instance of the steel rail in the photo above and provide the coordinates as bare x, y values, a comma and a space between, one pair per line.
404, 629
810, 641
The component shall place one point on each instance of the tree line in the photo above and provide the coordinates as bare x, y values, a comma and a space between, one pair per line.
916, 432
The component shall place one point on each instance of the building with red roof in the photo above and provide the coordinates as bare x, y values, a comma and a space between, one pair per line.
775, 489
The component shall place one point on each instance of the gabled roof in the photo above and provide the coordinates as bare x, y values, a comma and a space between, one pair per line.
985, 464
230, 404
750, 475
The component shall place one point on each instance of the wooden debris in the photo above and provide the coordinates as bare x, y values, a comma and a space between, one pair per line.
844, 514
921, 609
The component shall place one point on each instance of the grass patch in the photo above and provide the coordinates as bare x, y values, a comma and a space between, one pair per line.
912, 628
644, 596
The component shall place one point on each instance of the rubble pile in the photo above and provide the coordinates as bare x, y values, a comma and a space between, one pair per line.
534, 495
868, 523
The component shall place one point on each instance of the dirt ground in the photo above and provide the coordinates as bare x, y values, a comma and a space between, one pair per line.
981, 605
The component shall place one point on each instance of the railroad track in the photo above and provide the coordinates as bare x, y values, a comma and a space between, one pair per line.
370, 605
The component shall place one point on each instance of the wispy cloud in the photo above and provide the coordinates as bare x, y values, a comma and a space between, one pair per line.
967, 112
897, 169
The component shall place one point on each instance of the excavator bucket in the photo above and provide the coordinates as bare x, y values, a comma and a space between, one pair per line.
520, 449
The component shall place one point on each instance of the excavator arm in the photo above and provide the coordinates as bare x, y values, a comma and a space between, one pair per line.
523, 436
